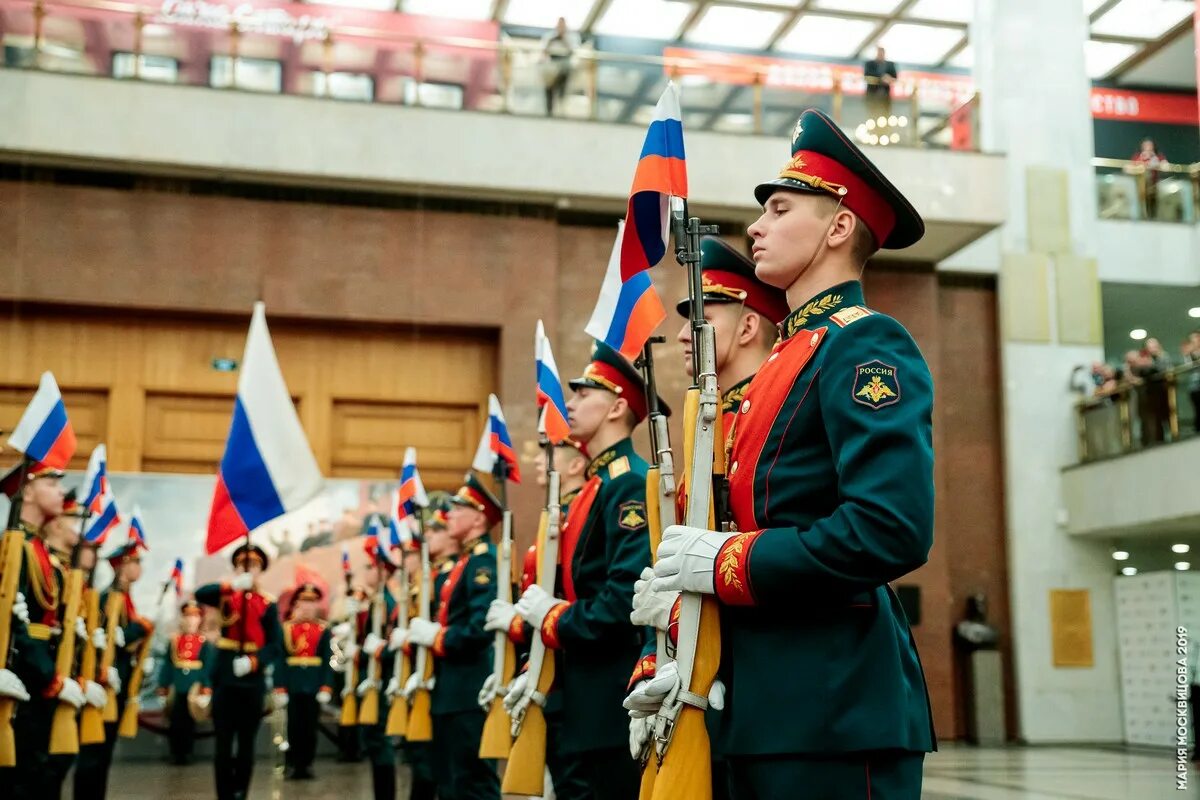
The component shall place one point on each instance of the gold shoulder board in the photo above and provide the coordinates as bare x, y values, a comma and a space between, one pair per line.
618, 467
850, 314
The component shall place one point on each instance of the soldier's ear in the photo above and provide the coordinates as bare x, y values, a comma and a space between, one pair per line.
619, 409
749, 326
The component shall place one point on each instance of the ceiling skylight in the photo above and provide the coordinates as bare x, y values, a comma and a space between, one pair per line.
646, 19
1143, 19
455, 9
916, 44
1102, 58
818, 35
732, 26
942, 10
541, 14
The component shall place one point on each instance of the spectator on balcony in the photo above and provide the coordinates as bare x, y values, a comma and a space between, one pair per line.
1152, 160
558, 51
1189, 375
880, 74
1154, 407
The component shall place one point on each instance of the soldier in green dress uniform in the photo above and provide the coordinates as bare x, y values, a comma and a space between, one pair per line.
462, 648
301, 675
189, 657
249, 644
831, 493
95, 760
604, 546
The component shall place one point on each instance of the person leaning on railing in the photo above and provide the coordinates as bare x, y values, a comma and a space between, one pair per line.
1190, 375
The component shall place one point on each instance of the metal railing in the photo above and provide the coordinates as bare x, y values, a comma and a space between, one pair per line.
1138, 413
279, 53
1133, 190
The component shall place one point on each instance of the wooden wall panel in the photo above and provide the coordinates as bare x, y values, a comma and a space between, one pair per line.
369, 439
88, 414
185, 433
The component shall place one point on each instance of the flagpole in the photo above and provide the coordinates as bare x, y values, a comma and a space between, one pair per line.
14, 508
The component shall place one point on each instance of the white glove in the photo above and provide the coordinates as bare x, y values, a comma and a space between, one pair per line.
119, 636
413, 684
393, 688
96, 696
397, 639
80, 629
343, 630
242, 582
367, 685
372, 645
20, 608
324, 697
71, 693
242, 665
99, 639
114, 678
647, 697
148, 666
351, 651
535, 604
687, 559
640, 729
347, 688
203, 700
488, 693
650, 607
353, 606
11, 686
280, 700
422, 632
499, 616
515, 697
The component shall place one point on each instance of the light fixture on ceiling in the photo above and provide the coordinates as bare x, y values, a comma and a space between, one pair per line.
1137, 334
1194, 312
1120, 555
1183, 566
1129, 571
1180, 548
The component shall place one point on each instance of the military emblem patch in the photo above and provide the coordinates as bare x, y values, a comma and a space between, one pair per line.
876, 385
632, 515
483, 577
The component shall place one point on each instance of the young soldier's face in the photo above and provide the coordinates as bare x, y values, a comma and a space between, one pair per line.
87, 558
724, 317
462, 521
46, 494
412, 563
787, 236
587, 410
63, 532
306, 609
190, 623
439, 541
131, 569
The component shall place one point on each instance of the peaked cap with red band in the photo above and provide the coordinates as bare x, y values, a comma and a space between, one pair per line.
473, 494
613, 372
10, 481
825, 161
728, 277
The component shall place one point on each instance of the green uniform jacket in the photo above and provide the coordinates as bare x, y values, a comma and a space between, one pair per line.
362, 627
260, 630
831, 484
188, 660
36, 644
594, 642
463, 649
304, 657
134, 628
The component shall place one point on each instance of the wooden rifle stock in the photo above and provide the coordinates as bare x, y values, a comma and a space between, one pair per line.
368, 709
420, 716
91, 719
497, 740
11, 549
129, 719
397, 719
112, 621
64, 729
654, 525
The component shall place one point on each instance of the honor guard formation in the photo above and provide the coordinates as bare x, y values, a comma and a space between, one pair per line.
663, 635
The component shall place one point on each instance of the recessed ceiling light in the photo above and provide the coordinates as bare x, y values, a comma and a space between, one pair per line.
1120, 555
1194, 312
1180, 548
1137, 334
1129, 571
1183, 566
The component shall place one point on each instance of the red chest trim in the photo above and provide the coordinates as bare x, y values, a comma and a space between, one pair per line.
577, 517
248, 623
763, 401
47, 581
448, 588
188, 646
302, 638
529, 568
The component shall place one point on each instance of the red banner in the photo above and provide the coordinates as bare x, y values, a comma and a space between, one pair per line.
1169, 109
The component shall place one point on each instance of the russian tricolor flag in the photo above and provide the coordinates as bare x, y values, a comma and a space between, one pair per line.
626, 313
100, 523
137, 531
550, 397
411, 494
346, 562
268, 468
98, 499
177, 577
374, 544
495, 443
661, 173
44, 433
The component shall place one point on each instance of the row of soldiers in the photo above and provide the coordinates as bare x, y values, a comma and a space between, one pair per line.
820, 693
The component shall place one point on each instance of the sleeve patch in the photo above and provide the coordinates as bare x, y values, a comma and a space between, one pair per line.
632, 515
483, 576
876, 385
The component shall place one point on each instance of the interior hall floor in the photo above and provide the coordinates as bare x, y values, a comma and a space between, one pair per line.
957, 772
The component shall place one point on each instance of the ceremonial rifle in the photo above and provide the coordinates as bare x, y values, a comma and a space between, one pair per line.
368, 709
397, 720
12, 551
496, 741
526, 771
350, 699
660, 512
91, 719
420, 718
682, 745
